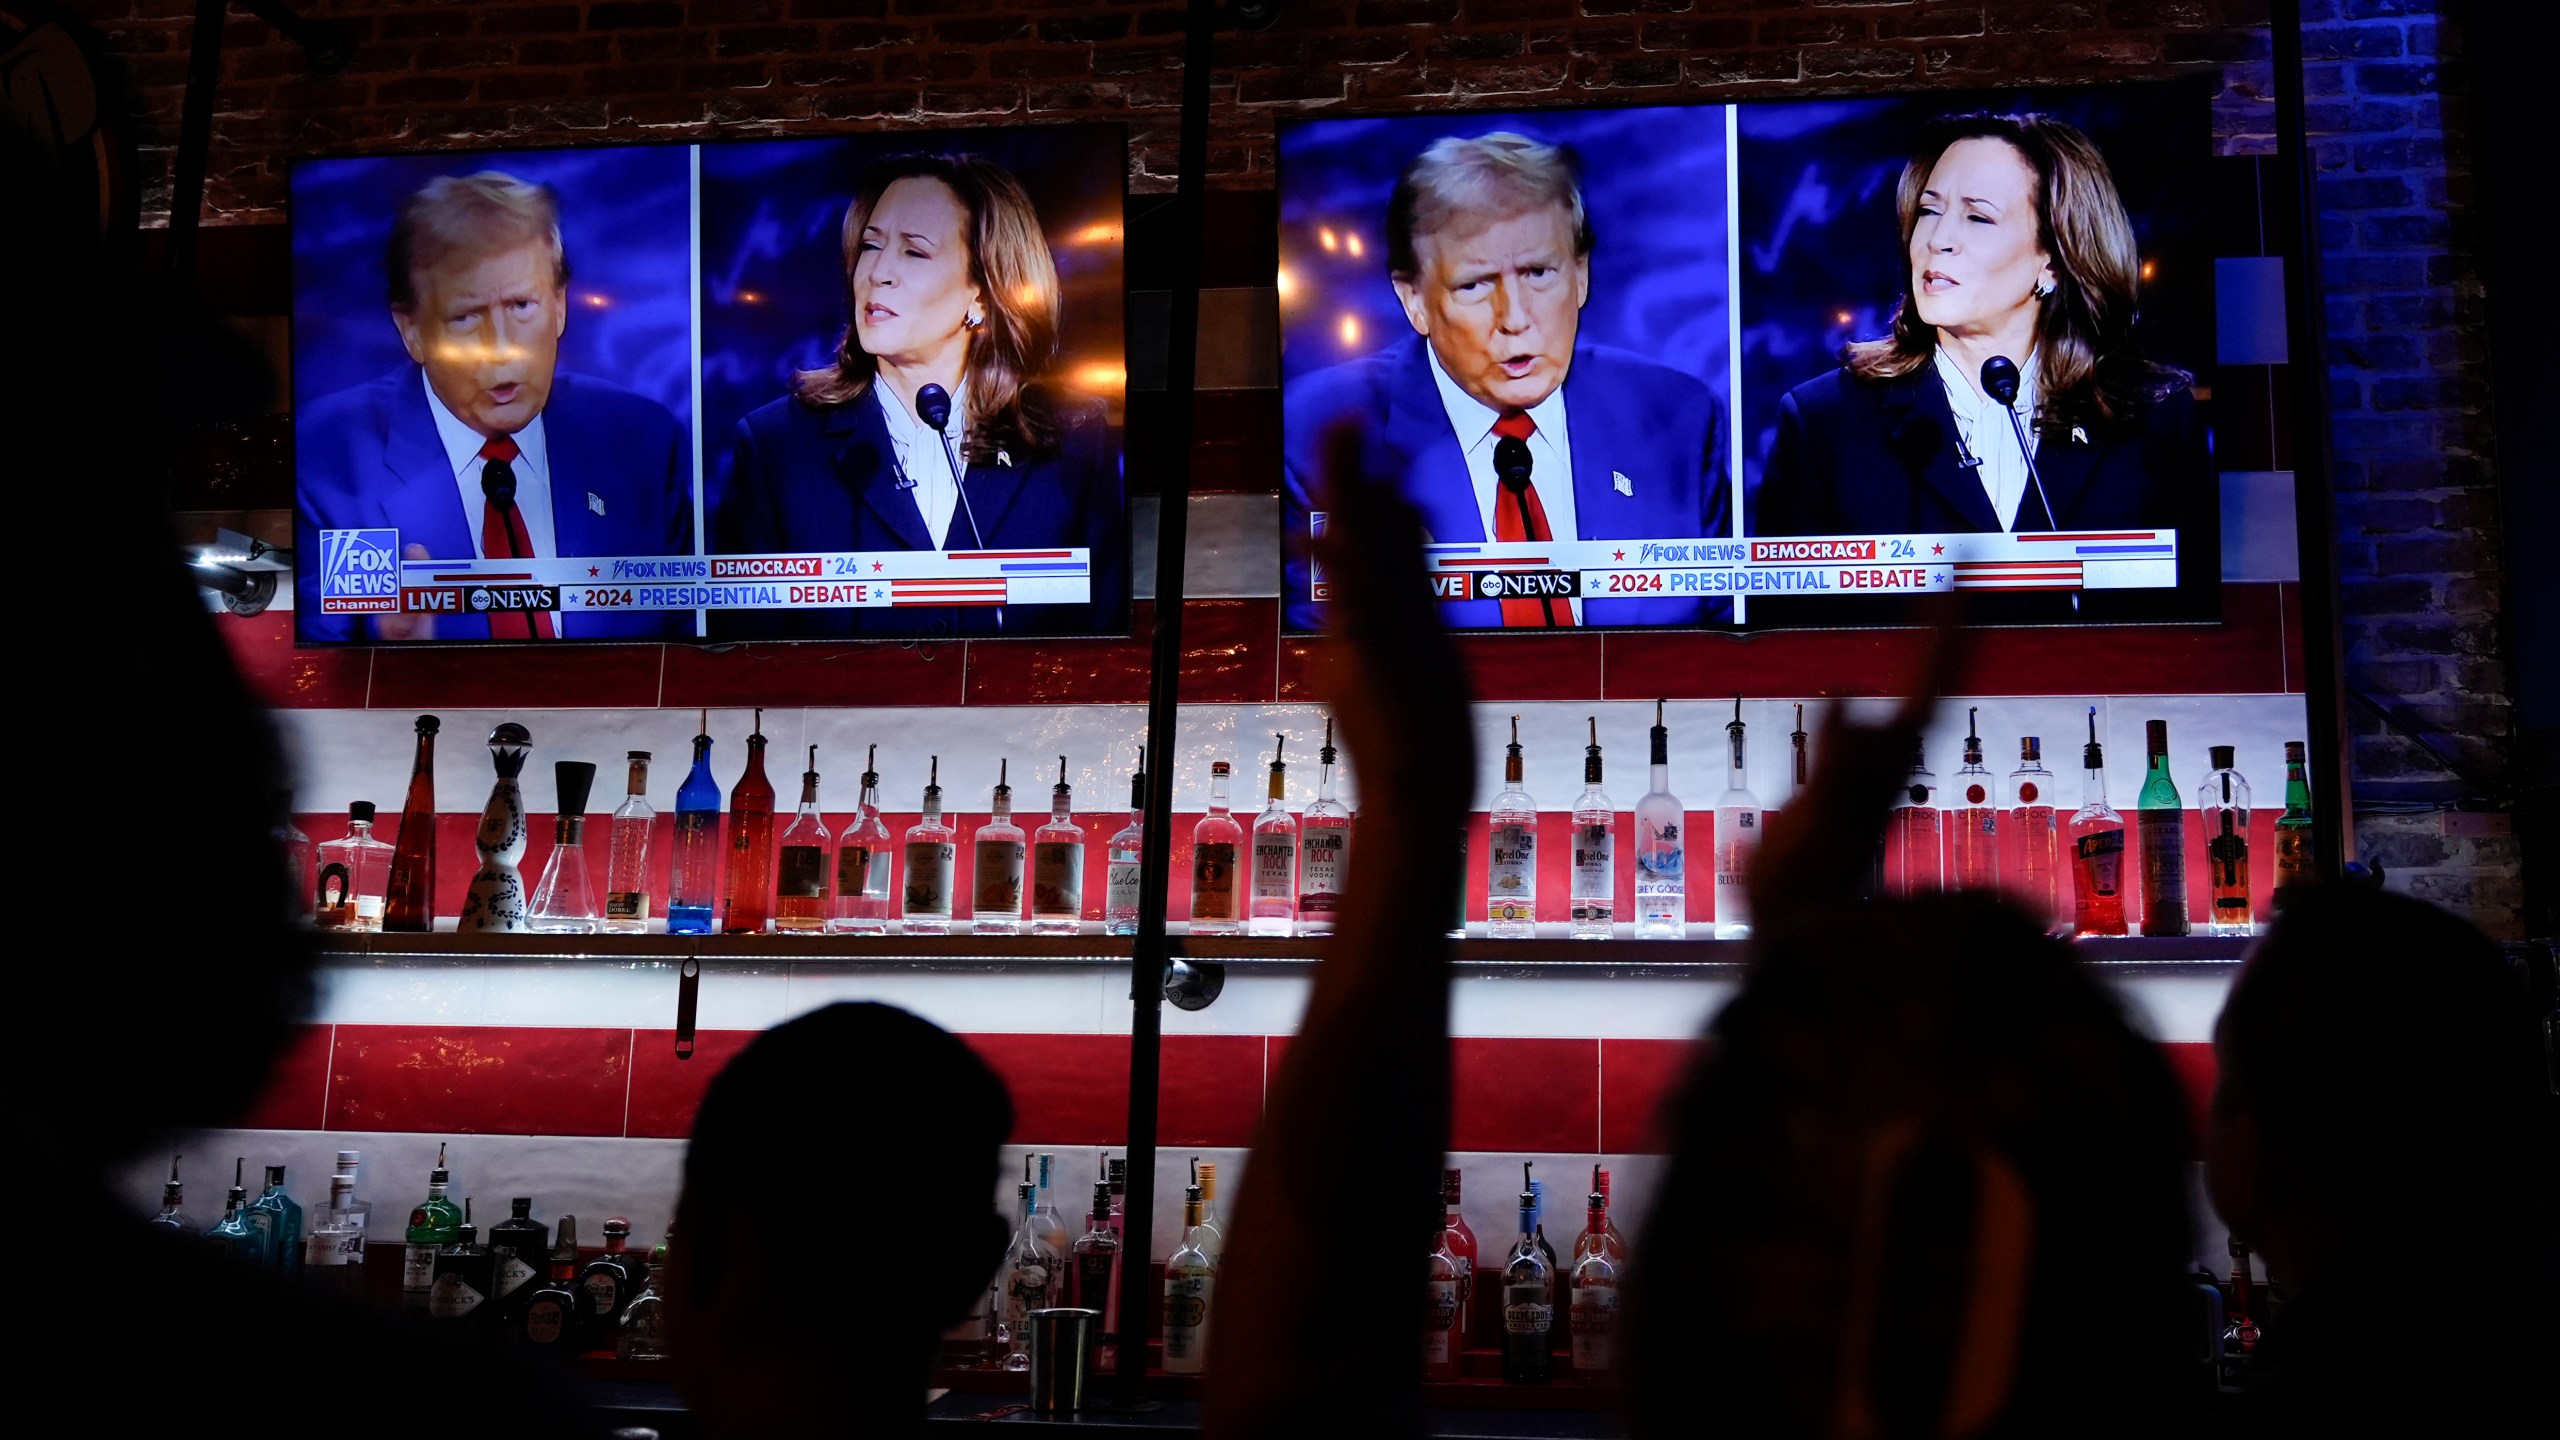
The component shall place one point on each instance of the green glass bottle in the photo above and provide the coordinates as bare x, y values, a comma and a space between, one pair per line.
2160, 825
2294, 865
435, 1223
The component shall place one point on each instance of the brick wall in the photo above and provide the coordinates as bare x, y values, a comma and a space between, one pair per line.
2418, 528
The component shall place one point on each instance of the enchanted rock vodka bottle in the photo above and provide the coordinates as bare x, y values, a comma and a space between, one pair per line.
1662, 911
1057, 866
626, 866
1125, 861
800, 871
931, 846
863, 902
693, 872
1973, 820
1595, 850
1915, 832
1274, 901
1511, 853
2097, 847
1214, 842
2160, 835
1324, 849
995, 889
2223, 800
748, 906
2038, 882
1738, 824
2294, 867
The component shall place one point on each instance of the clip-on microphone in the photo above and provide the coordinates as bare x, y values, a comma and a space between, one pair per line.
2000, 382
1512, 463
933, 407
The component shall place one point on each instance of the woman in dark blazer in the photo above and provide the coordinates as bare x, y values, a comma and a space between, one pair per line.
933, 429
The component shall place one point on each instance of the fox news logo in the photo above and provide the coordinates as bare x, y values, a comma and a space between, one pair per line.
359, 572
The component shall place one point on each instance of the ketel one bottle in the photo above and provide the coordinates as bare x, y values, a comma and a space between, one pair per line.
1511, 853
610, 1280
465, 1274
1595, 850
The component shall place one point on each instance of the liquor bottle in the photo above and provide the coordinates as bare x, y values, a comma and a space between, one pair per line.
333, 1250
233, 1233
747, 907
931, 848
564, 904
643, 1328
1662, 911
1443, 1306
2223, 800
1214, 842
996, 888
433, 1224
1031, 1275
1273, 906
1538, 1224
1057, 865
359, 1212
552, 1311
626, 866
2031, 819
1738, 822
1973, 830
465, 1274
800, 902
1095, 1267
354, 873
1595, 850
1511, 853
495, 902
1914, 831
693, 871
1125, 861
2239, 1327
1594, 1293
1458, 911
1213, 1235
1799, 763
1528, 1304
1324, 849
296, 848
1597, 1231
1046, 1217
1190, 1286
2097, 848
1461, 1242
1617, 1238
409, 895
2295, 867
863, 903
275, 1213
519, 1248
607, 1283
2160, 832
173, 1201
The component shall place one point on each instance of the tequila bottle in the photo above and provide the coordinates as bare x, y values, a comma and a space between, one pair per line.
2160, 832
1595, 850
1214, 842
800, 902
1032, 1275
1662, 911
1594, 1293
2294, 867
1324, 849
626, 866
1511, 853
563, 904
747, 907
409, 895
1914, 838
1738, 822
2223, 800
693, 875
1973, 829
1528, 1304
233, 1234
863, 898
607, 1283
2097, 848
275, 1213
931, 847
1126, 859
996, 888
173, 1201
433, 1224
1190, 1288
1057, 865
2031, 819
354, 872
1275, 855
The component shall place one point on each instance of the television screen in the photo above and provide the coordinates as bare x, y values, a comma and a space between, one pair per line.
1770, 364
852, 386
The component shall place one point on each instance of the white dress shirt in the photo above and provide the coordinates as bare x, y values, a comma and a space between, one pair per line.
923, 461
1550, 452
532, 468
1986, 435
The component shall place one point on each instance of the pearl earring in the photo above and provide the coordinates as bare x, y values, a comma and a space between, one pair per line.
973, 320
2044, 290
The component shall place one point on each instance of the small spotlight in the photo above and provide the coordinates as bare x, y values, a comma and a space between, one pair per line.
595, 301
1350, 332
749, 297
1842, 317
1326, 238
1287, 284
1351, 242
2150, 268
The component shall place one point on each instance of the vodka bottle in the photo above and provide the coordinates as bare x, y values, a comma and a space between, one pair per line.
800, 903
1511, 853
1057, 867
1324, 849
1973, 822
2031, 819
863, 901
1738, 823
1595, 850
995, 889
1274, 900
1661, 879
2223, 800
931, 847
1214, 842
1126, 859
2097, 848
1914, 832
626, 869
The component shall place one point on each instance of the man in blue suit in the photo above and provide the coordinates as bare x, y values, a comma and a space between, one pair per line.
1489, 248
482, 449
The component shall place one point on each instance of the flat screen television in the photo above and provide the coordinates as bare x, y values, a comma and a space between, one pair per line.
1770, 364
864, 386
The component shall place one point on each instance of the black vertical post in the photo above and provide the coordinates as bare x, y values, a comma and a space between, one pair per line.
1150, 956
195, 137
2314, 507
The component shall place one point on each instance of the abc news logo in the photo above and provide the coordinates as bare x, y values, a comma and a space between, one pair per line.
480, 599
1509, 585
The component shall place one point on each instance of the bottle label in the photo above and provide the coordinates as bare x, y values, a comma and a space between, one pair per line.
2229, 852
1439, 1320
1511, 875
418, 1269
2101, 857
929, 876
1213, 882
1093, 1282
861, 870
998, 883
2293, 857
1186, 1313
626, 904
1526, 1311
1595, 861
546, 1322
601, 1291
1660, 878
1121, 884
1274, 876
1057, 878
453, 1297
1320, 857
2162, 836
513, 1274
1595, 1326
327, 1247
803, 873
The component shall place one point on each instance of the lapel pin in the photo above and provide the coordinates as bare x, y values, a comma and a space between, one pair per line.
595, 502
2079, 435
1623, 485
1004, 458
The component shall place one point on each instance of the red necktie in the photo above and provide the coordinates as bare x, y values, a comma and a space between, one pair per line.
1518, 515
503, 537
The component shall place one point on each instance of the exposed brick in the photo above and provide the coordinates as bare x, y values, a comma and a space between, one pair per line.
745, 40
528, 19
425, 24
1828, 61
634, 15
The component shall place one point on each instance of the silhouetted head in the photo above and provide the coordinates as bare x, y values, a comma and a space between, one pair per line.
1925, 1180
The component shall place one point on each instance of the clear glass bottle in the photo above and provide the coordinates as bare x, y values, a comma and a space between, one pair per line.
1190, 1291
626, 866
995, 889
2097, 848
1973, 822
2160, 838
1662, 905
1274, 901
2295, 866
1460, 1241
275, 1212
2038, 883
1031, 1278
1528, 1304
1213, 1235
863, 895
333, 1249
233, 1234
643, 1331
354, 871
800, 900
1214, 842
354, 1212
1594, 1295
409, 894
1915, 838
173, 1202
747, 903
1799, 760
1046, 1217
1595, 850
1511, 853
1738, 827
1057, 866
2223, 800
693, 872
1126, 859
563, 903
1095, 1267
931, 848
1324, 849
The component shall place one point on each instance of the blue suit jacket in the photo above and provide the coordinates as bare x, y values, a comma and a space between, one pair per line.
1661, 428
804, 478
370, 457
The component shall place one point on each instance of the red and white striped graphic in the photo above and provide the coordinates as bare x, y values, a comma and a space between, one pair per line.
2017, 574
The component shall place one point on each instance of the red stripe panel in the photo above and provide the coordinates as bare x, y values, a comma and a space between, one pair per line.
665, 1091
1230, 651
469, 1080
2295, 657
2194, 1063
1534, 1096
286, 678
1500, 668
298, 1087
1636, 1078
1067, 1089
1211, 1091
517, 677
821, 672
1100, 671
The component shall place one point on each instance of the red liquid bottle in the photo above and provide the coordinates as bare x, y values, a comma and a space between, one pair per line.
1461, 1244
409, 897
2097, 848
748, 908
1915, 846
1973, 820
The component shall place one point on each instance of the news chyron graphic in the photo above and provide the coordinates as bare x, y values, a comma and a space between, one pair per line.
828, 387
1784, 364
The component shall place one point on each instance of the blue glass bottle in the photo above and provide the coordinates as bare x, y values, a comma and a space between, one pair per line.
275, 1213
693, 878
234, 1235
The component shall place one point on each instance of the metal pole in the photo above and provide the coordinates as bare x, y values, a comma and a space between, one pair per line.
195, 138
1152, 952
2315, 521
